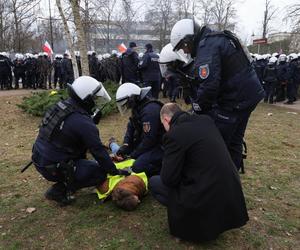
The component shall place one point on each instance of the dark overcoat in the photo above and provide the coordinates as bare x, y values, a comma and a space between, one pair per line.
206, 196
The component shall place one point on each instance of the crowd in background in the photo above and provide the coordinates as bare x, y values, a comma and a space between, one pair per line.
278, 73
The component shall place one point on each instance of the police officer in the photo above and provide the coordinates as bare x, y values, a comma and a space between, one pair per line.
169, 62
149, 69
142, 140
5, 71
78, 61
294, 74
259, 66
30, 67
282, 76
67, 131
229, 89
129, 64
67, 70
19, 70
57, 71
270, 78
93, 65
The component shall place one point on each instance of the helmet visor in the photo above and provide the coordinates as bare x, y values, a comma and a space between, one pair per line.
122, 107
186, 58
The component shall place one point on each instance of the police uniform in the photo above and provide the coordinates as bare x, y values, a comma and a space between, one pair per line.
172, 83
229, 88
19, 72
30, 72
129, 66
150, 71
283, 77
57, 72
66, 133
270, 78
5, 72
294, 79
93, 66
144, 135
67, 71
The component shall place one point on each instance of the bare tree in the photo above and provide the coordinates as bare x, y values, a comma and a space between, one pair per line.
223, 13
268, 16
293, 14
105, 23
80, 36
23, 18
206, 11
68, 37
161, 17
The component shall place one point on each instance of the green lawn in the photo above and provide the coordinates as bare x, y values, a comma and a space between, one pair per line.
271, 186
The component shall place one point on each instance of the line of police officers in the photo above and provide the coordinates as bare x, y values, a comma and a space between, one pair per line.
280, 76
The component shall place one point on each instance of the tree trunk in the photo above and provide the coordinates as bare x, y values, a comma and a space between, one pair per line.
80, 37
68, 37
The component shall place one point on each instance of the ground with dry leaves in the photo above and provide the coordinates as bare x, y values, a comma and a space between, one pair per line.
271, 186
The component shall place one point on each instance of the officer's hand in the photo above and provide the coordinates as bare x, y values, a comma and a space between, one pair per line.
97, 116
124, 172
123, 151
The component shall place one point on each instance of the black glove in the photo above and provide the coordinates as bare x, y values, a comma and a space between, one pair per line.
97, 116
123, 151
124, 172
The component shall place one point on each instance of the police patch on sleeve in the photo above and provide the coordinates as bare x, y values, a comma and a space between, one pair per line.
146, 127
204, 71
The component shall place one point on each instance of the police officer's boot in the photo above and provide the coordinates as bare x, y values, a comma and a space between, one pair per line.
58, 193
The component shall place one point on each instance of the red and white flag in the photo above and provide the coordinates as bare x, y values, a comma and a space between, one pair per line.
122, 48
47, 48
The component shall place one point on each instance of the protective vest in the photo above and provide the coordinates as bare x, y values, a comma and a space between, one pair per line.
115, 179
53, 122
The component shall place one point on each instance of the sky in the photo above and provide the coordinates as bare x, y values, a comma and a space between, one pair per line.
250, 17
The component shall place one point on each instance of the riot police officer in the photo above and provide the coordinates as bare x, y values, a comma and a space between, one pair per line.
149, 69
19, 70
143, 137
270, 79
57, 71
283, 77
229, 89
5, 70
129, 64
67, 70
66, 133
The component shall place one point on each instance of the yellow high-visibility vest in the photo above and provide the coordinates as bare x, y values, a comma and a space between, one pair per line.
115, 179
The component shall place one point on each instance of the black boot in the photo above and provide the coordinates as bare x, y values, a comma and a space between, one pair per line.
58, 193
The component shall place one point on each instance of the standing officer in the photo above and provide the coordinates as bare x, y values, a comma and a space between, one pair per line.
142, 140
5, 70
270, 78
57, 71
229, 88
282, 75
30, 67
149, 69
19, 70
129, 64
67, 70
294, 78
66, 133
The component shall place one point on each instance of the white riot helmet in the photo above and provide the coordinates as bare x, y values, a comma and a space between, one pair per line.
6, 54
129, 94
182, 34
88, 92
114, 52
273, 60
167, 55
293, 56
275, 54
259, 57
77, 53
282, 58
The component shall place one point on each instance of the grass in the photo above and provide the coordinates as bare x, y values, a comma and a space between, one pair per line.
271, 186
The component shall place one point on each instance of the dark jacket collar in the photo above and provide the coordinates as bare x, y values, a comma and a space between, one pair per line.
198, 37
176, 117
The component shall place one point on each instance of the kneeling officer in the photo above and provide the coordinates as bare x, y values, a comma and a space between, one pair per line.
66, 133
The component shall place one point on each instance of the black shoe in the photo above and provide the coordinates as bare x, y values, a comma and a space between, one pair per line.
58, 193
288, 102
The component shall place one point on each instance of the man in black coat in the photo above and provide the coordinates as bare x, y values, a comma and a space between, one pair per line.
199, 182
